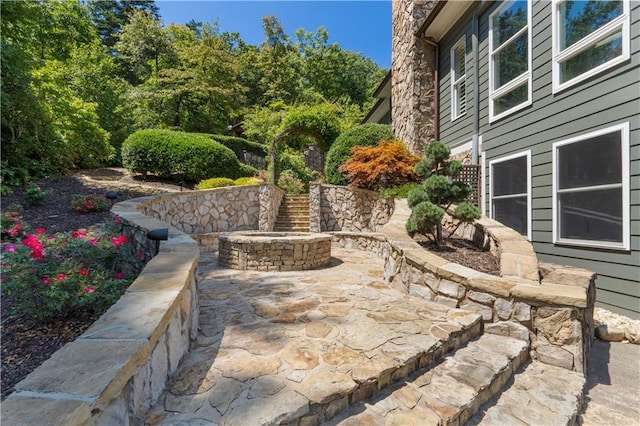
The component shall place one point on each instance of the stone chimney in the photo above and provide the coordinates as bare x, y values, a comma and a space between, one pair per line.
413, 65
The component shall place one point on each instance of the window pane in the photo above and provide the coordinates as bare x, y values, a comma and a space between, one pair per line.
509, 177
511, 61
511, 99
578, 19
460, 98
591, 162
458, 60
591, 215
511, 19
512, 212
595, 55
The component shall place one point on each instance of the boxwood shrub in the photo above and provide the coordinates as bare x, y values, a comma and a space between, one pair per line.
187, 156
362, 135
218, 182
237, 145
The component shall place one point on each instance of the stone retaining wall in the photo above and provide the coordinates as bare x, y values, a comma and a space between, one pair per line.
117, 369
233, 208
270, 199
558, 310
340, 208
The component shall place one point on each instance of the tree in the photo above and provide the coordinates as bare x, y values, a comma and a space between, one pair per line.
140, 44
110, 16
384, 166
437, 193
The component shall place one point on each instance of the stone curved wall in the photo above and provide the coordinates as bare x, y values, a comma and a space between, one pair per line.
558, 309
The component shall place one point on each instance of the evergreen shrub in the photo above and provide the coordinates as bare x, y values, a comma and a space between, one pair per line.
187, 156
362, 135
215, 183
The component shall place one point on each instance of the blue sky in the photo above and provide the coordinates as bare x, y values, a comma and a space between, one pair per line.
361, 26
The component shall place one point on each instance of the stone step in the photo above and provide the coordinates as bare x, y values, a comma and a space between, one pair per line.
292, 209
449, 393
291, 228
539, 394
292, 220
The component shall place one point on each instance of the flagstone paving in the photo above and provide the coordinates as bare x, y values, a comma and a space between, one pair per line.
300, 346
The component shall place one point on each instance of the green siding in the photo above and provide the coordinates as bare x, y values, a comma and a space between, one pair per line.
609, 98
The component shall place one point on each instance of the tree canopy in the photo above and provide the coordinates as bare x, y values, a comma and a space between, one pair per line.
79, 77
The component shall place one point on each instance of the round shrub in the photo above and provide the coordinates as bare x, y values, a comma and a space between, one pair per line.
188, 156
215, 183
362, 135
247, 181
245, 170
238, 145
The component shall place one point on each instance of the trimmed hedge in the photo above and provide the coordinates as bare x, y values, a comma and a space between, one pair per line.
362, 135
237, 145
188, 156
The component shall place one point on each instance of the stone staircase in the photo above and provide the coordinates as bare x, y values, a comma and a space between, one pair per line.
476, 385
293, 215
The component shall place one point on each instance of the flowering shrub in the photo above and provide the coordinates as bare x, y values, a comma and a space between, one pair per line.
52, 276
12, 226
88, 203
289, 183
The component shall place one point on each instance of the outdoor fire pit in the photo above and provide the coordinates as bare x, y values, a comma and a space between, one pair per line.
274, 251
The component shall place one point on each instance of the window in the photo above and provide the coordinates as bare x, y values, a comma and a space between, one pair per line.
509, 190
588, 37
591, 189
458, 79
510, 58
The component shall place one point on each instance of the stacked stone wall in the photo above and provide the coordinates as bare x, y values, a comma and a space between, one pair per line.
557, 310
270, 199
340, 208
284, 252
234, 208
413, 84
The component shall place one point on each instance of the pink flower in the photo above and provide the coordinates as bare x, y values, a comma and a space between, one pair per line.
117, 241
84, 272
10, 248
37, 254
139, 256
118, 275
45, 280
39, 230
61, 277
93, 241
89, 289
116, 218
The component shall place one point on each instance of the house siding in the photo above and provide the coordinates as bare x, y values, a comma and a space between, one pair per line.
609, 98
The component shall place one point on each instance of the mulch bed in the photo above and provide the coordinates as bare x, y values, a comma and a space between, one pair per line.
462, 252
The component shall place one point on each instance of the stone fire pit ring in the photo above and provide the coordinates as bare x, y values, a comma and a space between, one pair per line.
274, 251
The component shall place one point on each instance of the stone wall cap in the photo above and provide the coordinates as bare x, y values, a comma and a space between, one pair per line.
555, 294
456, 272
167, 261
170, 281
94, 370
496, 286
136, 316
35, 411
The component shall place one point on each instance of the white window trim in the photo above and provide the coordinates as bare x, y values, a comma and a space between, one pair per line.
455, 113
624, 146
623, 22
491, 197
525, 77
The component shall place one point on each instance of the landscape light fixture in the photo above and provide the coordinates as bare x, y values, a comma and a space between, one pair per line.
111, 196
157, 235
